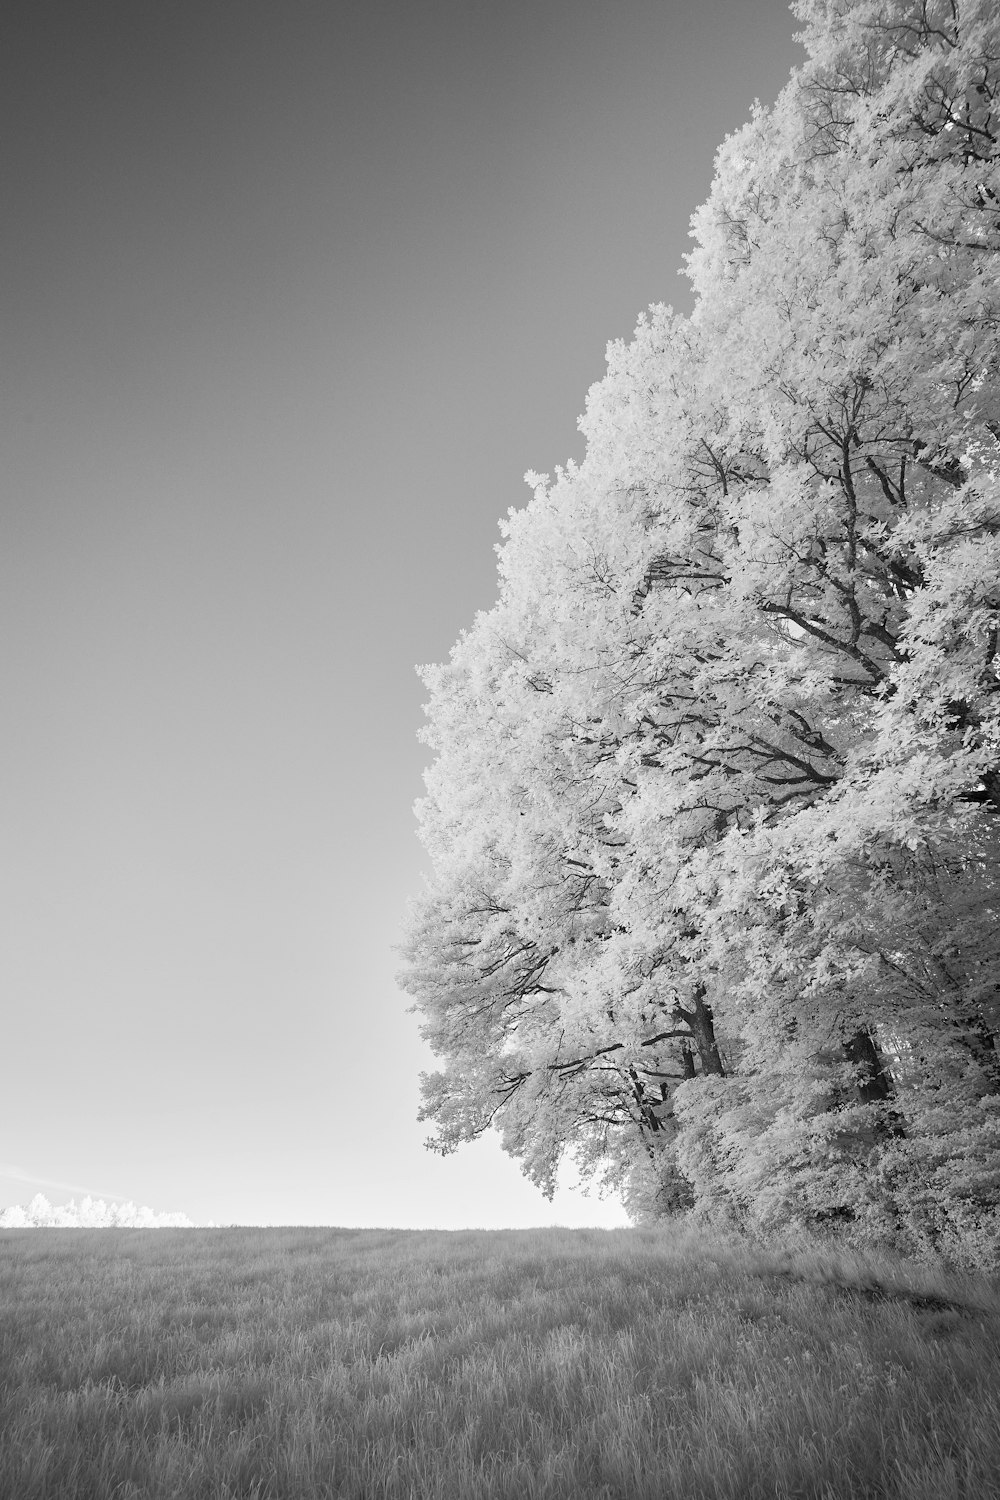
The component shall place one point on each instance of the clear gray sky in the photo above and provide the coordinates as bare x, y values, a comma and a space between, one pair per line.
292, 295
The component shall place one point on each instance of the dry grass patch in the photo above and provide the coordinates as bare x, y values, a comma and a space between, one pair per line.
430, 1366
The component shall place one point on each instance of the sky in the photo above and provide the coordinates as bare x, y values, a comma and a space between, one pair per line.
292, 296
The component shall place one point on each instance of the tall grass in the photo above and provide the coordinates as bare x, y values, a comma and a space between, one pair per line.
433, 1366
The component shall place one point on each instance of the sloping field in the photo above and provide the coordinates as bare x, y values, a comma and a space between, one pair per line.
557, 1363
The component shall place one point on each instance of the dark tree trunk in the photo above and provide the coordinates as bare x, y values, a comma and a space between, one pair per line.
647, 1114
979, 1040
702, 1024
873, 1082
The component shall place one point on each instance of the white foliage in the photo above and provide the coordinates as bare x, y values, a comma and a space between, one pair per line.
713, 810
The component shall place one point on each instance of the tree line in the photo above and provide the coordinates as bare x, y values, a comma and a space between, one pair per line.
712, 818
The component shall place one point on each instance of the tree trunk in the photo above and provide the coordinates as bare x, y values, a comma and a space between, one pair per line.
874, 1084
979, 1040
702, 1024
873, 1081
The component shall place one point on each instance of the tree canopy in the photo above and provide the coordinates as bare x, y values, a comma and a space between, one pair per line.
713, 814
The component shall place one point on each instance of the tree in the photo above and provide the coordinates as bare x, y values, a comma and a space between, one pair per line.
712, 814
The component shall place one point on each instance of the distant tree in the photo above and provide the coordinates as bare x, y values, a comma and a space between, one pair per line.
713, 813
88, 1214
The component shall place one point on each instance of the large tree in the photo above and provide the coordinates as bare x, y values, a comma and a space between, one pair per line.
712, 817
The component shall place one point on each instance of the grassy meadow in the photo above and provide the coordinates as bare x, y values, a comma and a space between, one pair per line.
519, 1364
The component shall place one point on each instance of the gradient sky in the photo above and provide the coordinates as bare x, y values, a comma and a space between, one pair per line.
292, 295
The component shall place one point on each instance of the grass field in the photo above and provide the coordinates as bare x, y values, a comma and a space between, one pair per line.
556, 1363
